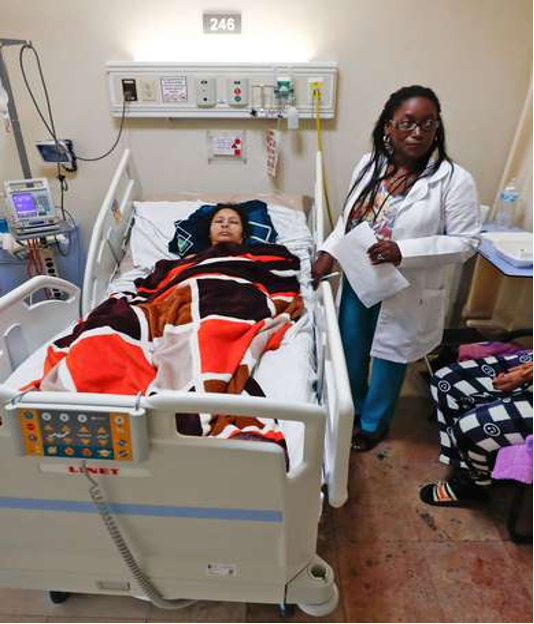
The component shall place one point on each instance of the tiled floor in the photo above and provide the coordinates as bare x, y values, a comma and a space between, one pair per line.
396, 559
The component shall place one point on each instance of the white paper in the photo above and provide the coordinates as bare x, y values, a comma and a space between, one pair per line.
174, 89
372, 283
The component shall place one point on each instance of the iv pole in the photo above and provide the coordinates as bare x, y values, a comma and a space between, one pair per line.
12, 109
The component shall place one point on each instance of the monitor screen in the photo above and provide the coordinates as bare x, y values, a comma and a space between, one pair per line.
56, 153
25, 205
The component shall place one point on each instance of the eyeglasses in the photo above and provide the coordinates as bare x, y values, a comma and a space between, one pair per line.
409, 125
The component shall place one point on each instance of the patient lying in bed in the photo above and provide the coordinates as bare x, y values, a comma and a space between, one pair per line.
197, 324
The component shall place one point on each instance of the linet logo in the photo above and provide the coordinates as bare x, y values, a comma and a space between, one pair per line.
106, 471
109, 472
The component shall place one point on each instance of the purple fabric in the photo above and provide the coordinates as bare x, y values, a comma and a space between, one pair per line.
479, 350
514, 462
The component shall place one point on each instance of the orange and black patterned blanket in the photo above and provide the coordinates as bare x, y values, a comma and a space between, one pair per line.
199, 324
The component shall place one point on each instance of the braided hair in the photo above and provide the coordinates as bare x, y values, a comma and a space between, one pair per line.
381, 157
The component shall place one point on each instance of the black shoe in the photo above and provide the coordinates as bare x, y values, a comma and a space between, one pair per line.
363, 441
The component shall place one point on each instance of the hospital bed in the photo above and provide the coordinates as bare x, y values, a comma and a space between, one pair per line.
181, 517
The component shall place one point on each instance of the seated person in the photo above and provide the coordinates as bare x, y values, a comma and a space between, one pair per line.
482, 406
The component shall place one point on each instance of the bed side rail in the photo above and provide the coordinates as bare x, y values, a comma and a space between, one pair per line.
26, 324
334, 386
108, 240
337, 395
317, 223
169, 403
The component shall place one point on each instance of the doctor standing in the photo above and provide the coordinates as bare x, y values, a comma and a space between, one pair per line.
425, 213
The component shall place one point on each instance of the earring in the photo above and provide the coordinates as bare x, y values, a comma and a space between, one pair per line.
388, 146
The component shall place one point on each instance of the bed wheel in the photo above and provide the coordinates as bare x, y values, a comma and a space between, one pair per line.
57, 597
323, 608
286, 610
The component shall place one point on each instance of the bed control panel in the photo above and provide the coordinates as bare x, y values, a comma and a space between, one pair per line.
49, 431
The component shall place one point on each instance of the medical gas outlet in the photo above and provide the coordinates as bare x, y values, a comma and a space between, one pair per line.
237, 92
284, 90
206, 92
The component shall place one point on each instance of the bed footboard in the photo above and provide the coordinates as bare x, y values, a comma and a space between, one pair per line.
207, 518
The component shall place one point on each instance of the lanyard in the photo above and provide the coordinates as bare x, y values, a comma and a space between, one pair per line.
376, 213
400, 180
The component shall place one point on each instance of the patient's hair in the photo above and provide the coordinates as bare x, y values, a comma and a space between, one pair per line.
205, 233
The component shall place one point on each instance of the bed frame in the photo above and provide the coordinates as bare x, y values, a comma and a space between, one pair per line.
205, 518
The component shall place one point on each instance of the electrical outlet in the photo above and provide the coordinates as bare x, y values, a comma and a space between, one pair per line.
147, 89
129, 89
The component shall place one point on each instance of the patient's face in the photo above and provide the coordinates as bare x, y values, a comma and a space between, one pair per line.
226, 227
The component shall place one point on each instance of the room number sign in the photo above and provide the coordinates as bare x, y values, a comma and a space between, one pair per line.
221, 23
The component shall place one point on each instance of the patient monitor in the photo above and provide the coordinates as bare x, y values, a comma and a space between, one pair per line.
30, 209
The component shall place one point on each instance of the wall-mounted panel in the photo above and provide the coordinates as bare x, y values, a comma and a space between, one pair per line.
218, 90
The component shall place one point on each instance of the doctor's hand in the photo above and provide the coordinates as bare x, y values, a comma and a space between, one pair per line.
321, 267
385, 251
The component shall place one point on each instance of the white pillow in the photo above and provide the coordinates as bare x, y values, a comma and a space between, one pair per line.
154, 227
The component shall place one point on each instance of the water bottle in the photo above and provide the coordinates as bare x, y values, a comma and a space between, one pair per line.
508, 200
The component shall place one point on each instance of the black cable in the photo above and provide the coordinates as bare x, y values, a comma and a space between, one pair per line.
71, 218
123, 116
51, 128
63, 188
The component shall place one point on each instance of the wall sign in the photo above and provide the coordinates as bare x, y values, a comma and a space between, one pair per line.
226, 146
228, 23
174, 89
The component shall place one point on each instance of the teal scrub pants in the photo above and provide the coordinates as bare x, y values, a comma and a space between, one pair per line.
375, 398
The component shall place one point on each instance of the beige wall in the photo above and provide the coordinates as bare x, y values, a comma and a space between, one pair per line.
475, 53
519, 166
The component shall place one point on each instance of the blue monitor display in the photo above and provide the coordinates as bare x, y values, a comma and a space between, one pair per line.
25, 205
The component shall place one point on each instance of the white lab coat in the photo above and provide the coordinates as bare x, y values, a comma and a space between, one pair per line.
437, 224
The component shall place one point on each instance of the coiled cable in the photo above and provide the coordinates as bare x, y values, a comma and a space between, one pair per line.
146, 585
